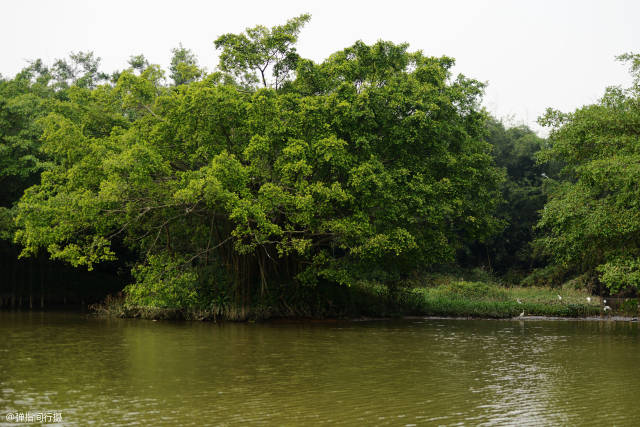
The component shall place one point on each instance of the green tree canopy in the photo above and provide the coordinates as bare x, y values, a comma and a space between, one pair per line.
369, 165
184, 66
24, 100
515, 150
251, 55
591, 223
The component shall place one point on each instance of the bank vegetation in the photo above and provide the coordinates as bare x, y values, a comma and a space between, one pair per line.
278, 186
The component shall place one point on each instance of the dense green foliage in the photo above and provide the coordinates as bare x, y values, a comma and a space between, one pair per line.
277, 178
25, 101
22, 102
370, 165
591, 223
509, 252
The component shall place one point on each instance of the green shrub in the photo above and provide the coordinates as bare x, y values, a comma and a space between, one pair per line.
163, 283
552, 276
629, 307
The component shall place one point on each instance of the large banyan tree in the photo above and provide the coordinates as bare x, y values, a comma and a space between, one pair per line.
275, 169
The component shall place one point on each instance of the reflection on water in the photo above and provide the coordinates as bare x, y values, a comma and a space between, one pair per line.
431, 372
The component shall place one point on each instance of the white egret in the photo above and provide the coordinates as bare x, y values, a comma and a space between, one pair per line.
559, 297
588, 299
606, 308
518, 299
521, 314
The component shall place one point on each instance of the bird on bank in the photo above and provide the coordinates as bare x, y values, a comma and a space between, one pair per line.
559, 297
521, 314
606, 308
518, 300
588, 299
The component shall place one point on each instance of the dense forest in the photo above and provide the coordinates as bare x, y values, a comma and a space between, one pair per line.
275, 179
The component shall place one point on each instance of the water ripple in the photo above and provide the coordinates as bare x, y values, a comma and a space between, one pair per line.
441, 372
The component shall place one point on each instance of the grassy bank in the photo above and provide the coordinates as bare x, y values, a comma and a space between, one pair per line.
492, 301
453, 299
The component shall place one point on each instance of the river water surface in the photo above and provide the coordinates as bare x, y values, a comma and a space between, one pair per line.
411, 372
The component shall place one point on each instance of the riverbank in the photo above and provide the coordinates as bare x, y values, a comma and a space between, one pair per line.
601, 318
451, 300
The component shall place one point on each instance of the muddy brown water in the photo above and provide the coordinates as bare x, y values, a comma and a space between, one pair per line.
410, 372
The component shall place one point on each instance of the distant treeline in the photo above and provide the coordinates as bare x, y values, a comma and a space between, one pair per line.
276, 173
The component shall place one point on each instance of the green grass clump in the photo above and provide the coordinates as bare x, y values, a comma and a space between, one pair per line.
477, 299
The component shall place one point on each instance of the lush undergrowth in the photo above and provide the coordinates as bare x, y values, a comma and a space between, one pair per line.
453, 299
485, 300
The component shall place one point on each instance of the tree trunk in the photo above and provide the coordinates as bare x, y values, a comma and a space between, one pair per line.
13, 284
43, 267
31, 274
